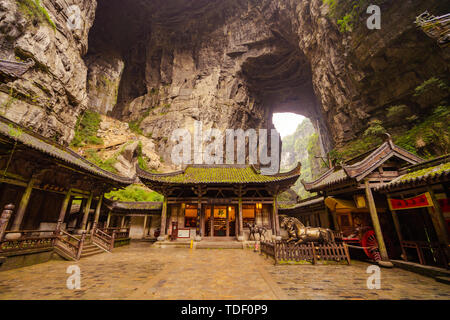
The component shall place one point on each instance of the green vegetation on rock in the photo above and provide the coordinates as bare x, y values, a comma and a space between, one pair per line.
86, 130
135, 193
34, 10
108, 164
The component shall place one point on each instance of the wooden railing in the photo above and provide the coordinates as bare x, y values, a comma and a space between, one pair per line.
282, 251
69, 244
103, 239
119, 233
29, 239
437, 251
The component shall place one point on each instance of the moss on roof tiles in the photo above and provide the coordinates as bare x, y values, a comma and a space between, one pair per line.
219, 175
426, 172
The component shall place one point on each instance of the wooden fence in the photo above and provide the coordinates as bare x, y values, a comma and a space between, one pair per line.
282, 251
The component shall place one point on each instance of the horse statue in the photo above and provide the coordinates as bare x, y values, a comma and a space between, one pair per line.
298, 233
255, 229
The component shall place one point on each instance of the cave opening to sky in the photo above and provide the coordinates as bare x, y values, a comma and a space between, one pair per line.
286, 122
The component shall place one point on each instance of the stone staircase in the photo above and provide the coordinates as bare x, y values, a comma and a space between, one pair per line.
90, 249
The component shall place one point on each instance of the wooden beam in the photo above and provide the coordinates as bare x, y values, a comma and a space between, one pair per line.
438, 221
376, 223
63, 211
162, 235
87, 210
21, 210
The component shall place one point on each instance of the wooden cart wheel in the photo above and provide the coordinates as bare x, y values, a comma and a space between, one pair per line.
370, 244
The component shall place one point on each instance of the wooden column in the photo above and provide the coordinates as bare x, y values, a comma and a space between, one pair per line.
211, 222
63, 211
18, 218
162, 235
399, 233
277, 220
97, 211
438, 219
108, 220
122, 222
228, 222
145, 227
87, 208
199, 218
376, 222
241, 221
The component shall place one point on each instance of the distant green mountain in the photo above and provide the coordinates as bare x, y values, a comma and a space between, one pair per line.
302, 146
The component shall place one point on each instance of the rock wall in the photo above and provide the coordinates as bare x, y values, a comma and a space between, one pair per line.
50, 96
164, 64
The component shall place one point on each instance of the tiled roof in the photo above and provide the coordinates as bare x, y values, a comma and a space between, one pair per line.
132, 206
30, 139
358, 171
431, 171
305, 203
218, 174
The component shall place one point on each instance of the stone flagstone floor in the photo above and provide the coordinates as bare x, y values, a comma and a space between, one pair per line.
140, 271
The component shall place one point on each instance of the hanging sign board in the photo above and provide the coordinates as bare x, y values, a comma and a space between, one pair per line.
420, 201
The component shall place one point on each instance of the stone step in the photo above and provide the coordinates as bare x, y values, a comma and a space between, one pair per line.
220, 245
443, 279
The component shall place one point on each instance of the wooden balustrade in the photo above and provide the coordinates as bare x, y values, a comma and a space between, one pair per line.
30, 239
283, 251
103, 239
437, 251
69, 244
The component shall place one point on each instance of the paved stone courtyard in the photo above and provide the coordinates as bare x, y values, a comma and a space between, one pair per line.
140, 271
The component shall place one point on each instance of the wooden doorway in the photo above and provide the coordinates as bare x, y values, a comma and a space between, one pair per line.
220, 220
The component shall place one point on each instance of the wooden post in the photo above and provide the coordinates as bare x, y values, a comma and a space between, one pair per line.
4, 219
87, 208
162, 235
21, 211
276, 219
108, 220
241, 221
97, 210
398, 230
438, 219
211, 222
200, 223
228, 222
81, 244
122, 222
63, 211
144, 229
376, 222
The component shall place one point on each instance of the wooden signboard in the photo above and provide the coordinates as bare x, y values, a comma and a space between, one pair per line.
420, 201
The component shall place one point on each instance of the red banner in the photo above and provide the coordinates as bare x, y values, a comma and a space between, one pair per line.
420, 201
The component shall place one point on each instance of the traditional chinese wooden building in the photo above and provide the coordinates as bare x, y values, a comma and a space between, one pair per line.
42, 180
218, 201
311, 212
419, 203
351, 205
143, 219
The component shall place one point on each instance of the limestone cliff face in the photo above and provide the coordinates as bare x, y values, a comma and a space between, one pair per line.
50, 96
231, 64
163, 64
